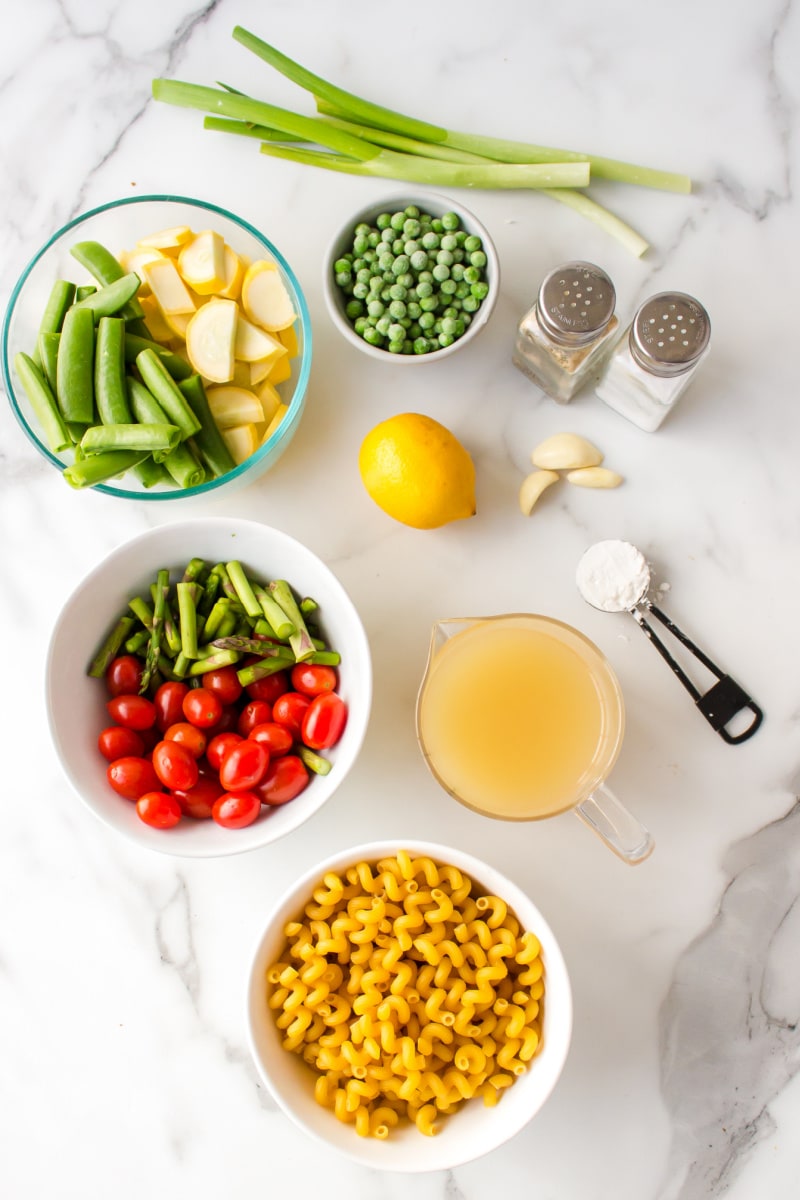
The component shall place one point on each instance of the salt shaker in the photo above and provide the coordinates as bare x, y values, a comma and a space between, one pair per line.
565, 338
653, 365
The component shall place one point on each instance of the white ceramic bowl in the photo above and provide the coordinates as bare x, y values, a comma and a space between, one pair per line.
118, 226
76, 702
436, 205
474, 1129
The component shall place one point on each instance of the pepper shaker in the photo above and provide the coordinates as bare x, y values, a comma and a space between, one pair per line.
653, 365
563, 341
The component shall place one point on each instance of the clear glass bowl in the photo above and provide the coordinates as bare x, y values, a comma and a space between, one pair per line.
118, 226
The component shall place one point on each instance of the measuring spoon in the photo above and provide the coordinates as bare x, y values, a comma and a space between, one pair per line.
613, 576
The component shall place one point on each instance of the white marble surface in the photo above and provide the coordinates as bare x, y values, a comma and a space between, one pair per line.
124, 1067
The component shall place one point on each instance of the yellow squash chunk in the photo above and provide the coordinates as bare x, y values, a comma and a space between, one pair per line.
288, 337
241, 374
275, 422
167, 239
242, 441
157, 327
234, 274
201, 262
210, 339
265, 298
231, 406
253, 343
177, 323
270, 401
167, 286
259, 370
136, 261
281, 371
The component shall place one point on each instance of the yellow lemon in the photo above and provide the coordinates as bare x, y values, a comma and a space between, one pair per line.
417, 471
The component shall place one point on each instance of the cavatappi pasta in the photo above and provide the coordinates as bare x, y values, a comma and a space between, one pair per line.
409, 991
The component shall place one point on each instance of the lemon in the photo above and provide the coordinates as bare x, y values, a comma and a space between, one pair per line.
417, 471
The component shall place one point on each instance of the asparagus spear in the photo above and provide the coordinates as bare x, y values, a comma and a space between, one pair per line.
300, 640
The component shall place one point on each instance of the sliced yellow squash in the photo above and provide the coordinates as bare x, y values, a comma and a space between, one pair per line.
234, 274
201, 262
281, 371
157, 327
241, 374
275, 422
177, 323
136, 261
242, 441
167, 239
167, 286
270, 401
265, 299
231, 406
260, 369
210, 339
253, 343
288, 337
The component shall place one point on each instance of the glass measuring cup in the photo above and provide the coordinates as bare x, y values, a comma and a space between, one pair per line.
520, 717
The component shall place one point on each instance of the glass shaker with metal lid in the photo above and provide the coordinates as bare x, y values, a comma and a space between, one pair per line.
563, 341
652, 367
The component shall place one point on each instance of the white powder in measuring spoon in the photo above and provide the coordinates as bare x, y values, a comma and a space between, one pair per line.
613, 576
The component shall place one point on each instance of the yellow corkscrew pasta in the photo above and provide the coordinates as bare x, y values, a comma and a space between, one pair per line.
408, 991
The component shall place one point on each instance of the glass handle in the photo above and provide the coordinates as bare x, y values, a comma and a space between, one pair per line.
618, 828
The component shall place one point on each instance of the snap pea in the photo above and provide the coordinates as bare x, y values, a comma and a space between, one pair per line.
85, 290
136, 436
208, 439
110, 393
184, 467
105, 268
75, 366
43, 403
178, 367
166, 391
146, 409
151, 473
47, 358
96, 468
61, 296
108, 300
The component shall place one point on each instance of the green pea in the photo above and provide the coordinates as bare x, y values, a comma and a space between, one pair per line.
477, 258
375, 308
480, 290
430, 241
354, 308
398, 221
472, 243
382, 220
372, 336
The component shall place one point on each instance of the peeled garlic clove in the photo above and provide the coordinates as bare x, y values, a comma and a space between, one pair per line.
594, 477
566, 452
532, 487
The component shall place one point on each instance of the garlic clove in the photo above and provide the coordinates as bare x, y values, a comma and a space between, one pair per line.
532, 487
594, 477
566, 452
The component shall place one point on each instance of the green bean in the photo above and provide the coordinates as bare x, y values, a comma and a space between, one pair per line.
103, 265
43, 403
109, 372
208, 439
61, 297
127, 436
178, 367
184, 467
47, 357
75, 367
96, 468
108, 300
166, 391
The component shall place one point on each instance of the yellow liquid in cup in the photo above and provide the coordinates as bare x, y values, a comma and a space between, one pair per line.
520, 717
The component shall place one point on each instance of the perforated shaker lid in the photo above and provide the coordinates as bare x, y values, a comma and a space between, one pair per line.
669, 333
576, 302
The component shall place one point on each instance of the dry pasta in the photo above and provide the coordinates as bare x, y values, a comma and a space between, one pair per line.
409, 991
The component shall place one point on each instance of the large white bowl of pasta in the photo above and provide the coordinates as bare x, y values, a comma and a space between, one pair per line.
409, 1006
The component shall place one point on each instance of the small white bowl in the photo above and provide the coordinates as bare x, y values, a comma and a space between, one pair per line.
436, 205
76, 703
473, 1130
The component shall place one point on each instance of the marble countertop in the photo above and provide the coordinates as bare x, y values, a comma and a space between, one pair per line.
125, 1067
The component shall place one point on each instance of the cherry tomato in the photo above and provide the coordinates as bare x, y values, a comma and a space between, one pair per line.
175, 766
158, 809
270, 687
227, 722
116, 742
219, 746
289, 711
198, 801
234, 810
134, 712
244, 766
202, 708
285, 779
312, 680
276, 738
124, 675
169, 703
255, 712
224, 684
324, 721
189, 736
131, 777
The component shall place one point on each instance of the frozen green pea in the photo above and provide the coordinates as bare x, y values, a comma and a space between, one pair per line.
414, 309
360, 291
398, 292
449, 242
471, 274
429, 304
430, 240
411, 210
420, 345
411, 227
382, 220
375, 308
449, 325
472, 243
397, 309
480, 290
400, 265
361, 243
344, 279
354, 308
419, 260
406, 279
398, 221
446, 339
382, 325
373, 239
424, 289
372, 336
360, 326
440, 272
387, 237
470, 304
477, 258
385, 262
448, 286
446, 257
450, 221
426, 320
341, 265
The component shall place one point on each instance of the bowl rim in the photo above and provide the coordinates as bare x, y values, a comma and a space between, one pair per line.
332, 295
286, 426
113, 558
478, 868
